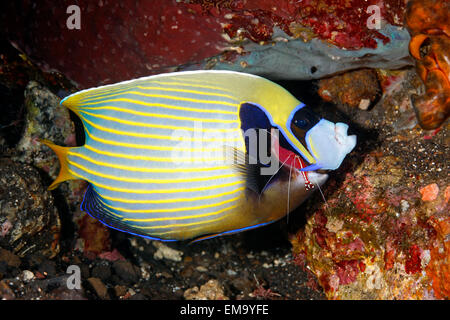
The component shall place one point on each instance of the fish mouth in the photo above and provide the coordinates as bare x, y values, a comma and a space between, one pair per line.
342, 138
329, 143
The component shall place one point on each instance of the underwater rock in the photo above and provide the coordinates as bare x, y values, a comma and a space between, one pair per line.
397, 87
47, 268
429, 192
9, 258
94, 237
27, 276
99, 288
212, 290
102, 271
376, 237
428, 23
277, 39
6, 293
343, 23
29, 221
295, 59
127, 271
120, 291
438, 268
165, 252
32, 287
358, 88
111, 256
46, 119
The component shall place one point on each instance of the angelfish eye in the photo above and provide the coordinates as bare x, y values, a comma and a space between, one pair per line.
302, 123
305, 119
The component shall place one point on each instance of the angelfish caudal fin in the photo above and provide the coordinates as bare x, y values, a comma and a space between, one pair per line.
64, 173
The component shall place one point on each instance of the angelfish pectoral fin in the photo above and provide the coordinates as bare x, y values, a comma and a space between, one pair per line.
241, 163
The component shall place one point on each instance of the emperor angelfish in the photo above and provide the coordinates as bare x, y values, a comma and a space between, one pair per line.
158, 149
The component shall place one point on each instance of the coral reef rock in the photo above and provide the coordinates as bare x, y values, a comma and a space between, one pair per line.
384, 231
94, 237
280, 39
212, 290
46, 119
295, 59
358, 88
165, 252
29, 221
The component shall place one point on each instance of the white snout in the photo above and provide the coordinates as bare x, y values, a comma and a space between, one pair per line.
345, 141
329, 143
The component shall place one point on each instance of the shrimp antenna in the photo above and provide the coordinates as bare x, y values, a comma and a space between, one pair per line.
289, 194
323, 196
267, 183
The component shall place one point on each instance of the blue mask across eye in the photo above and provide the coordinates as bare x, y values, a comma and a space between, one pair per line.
304, 119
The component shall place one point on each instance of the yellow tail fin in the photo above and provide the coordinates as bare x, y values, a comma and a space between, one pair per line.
64, 173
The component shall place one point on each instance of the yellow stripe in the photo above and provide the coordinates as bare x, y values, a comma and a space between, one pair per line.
183, 224
126, 156
162, 181
175, 199
139, 146
104, 186
299, 145
155, 136
190, 230
185, 84
111, 88
151, 125
117, 87
189, 91
311, 145
86, 101
142, 169
105, 92
178, 209
158, 105
182, 218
